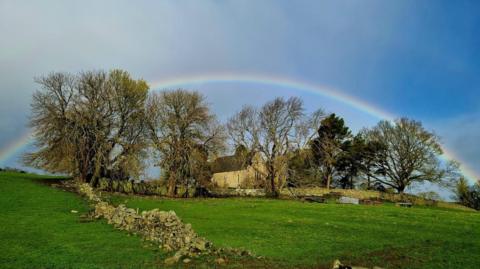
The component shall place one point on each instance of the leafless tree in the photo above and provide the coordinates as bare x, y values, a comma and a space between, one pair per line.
51, 122
272, 131
89, 125
411, 154
181, 126
243, 132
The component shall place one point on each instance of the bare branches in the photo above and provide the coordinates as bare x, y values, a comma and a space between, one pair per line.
243, 128
272, 131
410, 154
184, 133
90, 124
97, 124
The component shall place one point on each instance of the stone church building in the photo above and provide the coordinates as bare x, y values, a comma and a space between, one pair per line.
231, 172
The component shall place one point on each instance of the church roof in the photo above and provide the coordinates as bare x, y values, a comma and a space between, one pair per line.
227, 164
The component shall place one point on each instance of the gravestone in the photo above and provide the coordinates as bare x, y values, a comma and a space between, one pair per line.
348, 200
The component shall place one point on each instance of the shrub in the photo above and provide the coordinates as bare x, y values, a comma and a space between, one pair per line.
143, 188
104, 184
468, 195
429, 195
115, 187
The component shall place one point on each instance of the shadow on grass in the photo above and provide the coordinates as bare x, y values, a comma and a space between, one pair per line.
395, 257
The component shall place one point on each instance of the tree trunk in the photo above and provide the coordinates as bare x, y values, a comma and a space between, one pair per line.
94, 181
329, 177
172, 185
271, 174
186, 194
272, 183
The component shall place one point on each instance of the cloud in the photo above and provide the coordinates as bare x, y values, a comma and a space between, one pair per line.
461, 134
406, 57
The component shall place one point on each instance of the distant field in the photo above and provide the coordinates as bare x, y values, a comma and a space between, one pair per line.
37, 230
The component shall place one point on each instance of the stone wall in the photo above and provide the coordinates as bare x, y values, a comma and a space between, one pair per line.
224, 192
317, 191
359, 194
154, 188
140, 188
161, 227
290, 193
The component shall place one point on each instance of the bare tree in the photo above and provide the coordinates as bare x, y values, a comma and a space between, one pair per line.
270, 131
302, 170
411, 154
306, 128
51, 123
243, 128
243, 131
181, 126
127, 141
89, 125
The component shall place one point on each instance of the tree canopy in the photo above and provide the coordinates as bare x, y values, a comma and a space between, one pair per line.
89, 125
106, 124
329, 146
410, 154
184, 133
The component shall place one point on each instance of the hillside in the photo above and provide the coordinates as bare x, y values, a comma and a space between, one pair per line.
39, 230
297, 234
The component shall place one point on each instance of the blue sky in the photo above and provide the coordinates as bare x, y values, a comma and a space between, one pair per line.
418, 59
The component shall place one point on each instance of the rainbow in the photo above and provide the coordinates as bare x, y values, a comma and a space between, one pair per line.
16, 146
325, 91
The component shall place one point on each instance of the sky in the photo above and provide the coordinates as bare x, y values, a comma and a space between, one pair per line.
418, 59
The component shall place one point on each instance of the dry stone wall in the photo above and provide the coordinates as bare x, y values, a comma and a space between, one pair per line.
358, 194
238, 192
161, 227
156, 188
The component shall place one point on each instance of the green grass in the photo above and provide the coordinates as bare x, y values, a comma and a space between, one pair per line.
37, 230
309, 235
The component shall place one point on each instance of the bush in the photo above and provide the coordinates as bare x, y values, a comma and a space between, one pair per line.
429, 195
104, 184
12, 170
139, 188
468, 195
115, 184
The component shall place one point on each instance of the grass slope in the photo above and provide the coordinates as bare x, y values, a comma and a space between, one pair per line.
37, 230
313, 235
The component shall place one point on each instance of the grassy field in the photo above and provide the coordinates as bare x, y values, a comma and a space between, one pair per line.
309, 235
38, 230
